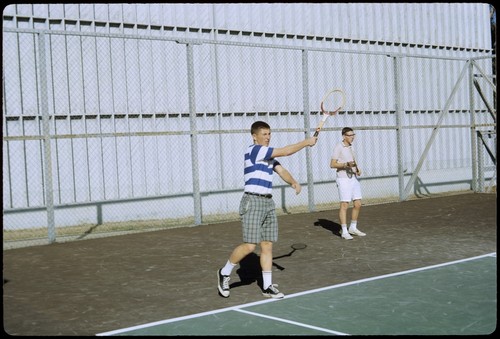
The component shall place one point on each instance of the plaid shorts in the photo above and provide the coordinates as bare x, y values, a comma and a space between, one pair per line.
258, 219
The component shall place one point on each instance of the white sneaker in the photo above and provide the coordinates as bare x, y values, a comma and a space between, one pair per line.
223, 284
346, 236
357, 232
272, 292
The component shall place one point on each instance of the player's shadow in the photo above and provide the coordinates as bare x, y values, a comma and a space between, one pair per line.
249, 271
330, 226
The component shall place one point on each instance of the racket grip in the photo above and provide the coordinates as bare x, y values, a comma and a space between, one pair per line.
320, 126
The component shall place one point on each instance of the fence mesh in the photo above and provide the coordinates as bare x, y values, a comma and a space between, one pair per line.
112, 133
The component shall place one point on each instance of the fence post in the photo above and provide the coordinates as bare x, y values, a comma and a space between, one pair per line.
435, 130
44, 107
305, 99
193, 136
399, 129
473, 136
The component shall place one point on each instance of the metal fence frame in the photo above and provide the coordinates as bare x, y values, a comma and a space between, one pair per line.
405, 188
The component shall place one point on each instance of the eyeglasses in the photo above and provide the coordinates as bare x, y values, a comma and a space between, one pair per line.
349, 135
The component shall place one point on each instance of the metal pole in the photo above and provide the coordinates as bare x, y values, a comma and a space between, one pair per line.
399, 129
444, 112
44, 107
194, 136
473, 135
305, 99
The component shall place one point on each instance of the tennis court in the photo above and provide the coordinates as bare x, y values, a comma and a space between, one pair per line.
426, 266
447, 299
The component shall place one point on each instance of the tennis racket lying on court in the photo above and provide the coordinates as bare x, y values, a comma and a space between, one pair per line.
332, 102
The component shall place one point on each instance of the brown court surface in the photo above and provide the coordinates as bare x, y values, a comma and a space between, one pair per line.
93, 286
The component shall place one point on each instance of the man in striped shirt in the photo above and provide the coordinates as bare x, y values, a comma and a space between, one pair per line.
257, 208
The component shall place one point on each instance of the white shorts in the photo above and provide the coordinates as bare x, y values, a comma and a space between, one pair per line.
349, 189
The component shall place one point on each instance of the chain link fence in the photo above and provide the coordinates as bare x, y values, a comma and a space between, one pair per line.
110, 133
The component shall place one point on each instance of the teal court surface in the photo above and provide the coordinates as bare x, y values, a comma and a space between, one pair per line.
452, 298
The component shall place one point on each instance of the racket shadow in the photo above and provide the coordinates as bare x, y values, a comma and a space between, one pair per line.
330, 226
250, 271
295, 247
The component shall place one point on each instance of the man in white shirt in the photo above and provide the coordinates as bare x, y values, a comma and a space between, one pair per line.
347, 183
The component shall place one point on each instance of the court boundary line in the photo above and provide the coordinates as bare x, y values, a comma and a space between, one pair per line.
492, 254
291, 322
239, 307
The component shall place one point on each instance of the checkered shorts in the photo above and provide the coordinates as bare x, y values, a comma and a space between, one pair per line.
258, 218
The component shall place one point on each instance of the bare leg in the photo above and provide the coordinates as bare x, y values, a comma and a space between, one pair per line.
266, 255
355, 210
343, 212
241, 252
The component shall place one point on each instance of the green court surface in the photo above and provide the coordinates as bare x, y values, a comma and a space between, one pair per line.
453, 298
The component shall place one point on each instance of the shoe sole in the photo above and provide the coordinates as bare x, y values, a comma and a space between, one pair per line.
278, 296
221, 291
359, 235
347, 238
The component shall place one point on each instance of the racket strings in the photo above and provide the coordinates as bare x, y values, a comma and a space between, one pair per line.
333, 102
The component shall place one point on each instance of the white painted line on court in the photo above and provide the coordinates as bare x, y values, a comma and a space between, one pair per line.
291, 322
493, 254
186, 317
239, 307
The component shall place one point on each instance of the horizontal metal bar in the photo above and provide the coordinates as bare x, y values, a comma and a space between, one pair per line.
230, 43
238, 131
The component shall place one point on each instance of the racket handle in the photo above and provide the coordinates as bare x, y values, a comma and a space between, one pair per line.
320, 126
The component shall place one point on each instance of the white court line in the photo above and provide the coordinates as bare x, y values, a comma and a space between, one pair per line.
291, 322
239, 307
493, 254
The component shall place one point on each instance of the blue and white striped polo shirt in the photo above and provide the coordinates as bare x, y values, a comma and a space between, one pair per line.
259, 169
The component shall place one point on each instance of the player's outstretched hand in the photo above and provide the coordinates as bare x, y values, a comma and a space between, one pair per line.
312, 141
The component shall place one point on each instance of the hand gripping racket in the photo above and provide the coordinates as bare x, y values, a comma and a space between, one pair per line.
332, 102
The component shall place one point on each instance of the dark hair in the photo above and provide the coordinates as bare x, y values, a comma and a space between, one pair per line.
258, 125
346, 129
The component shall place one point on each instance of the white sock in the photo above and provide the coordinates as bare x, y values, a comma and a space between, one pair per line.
226, 270
267, 277
353, 225
344, 228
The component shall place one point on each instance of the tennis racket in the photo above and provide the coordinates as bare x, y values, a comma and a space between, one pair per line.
358, 171
332, 102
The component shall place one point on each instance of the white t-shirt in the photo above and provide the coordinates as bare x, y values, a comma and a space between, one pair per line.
343, 153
